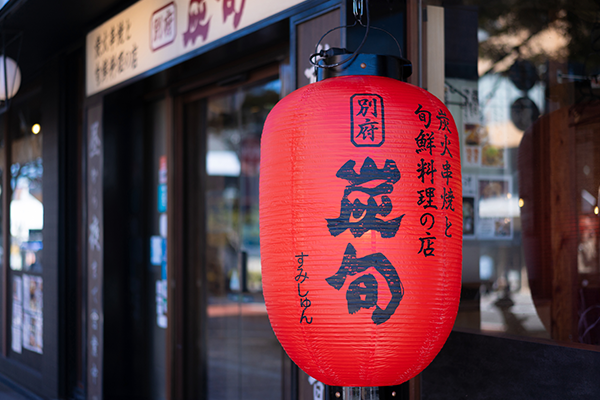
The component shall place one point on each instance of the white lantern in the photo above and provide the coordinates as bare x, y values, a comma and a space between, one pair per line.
12, 80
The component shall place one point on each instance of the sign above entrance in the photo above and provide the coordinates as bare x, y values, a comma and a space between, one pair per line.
153, 32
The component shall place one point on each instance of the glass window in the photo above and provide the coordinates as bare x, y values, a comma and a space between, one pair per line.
522, 83
157, 268
244, 356
26, 207
26, 231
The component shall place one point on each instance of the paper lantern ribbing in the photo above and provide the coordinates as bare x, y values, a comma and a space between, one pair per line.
361, 228
12, 75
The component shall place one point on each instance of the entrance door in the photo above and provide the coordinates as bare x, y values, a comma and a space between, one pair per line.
239, 356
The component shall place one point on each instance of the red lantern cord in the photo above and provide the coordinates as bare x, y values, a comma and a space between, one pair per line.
327, 54
357, 19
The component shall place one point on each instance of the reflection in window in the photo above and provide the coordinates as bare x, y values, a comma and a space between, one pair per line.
244, 357
26, 217
525, 94
26, 206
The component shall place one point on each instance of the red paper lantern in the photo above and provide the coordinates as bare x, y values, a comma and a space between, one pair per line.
361, 228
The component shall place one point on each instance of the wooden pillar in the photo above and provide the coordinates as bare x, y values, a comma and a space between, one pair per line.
412, 38
563, 226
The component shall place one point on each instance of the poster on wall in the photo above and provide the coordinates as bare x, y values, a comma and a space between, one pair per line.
481, 150
473, 129
470, 110
469, 204
161, 303
495, 208
468, 217
482, 146
472, 147
162, 170
17, 315
33, 320
158, 250
159, 245
33, 333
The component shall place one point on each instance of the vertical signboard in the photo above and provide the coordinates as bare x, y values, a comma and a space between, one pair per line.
95, 228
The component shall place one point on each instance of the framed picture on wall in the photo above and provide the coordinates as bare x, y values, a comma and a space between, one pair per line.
495, 208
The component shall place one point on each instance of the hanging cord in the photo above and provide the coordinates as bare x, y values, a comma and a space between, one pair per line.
358, 9
358, 13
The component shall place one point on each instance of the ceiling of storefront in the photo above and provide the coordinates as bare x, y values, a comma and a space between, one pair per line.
49, 27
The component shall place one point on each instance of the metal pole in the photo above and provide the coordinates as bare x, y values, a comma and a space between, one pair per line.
354, 393
420, 39
361, 393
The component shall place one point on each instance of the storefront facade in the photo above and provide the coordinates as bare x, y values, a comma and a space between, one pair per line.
140, 191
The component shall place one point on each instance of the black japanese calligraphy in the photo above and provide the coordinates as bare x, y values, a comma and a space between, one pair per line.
446, 172
99, 46
424, 116
427, 243
447, 199
121, 32
368, 108
425, 218
426, 173
366, 214
448, 225
424, 169
111, 38
105, 69
121, 62
367, 105
426, 197
445, 144
363, 292
425, 142
367, 120
444, 121
134, 56
300, 278
113, 65
113, 55
368, 129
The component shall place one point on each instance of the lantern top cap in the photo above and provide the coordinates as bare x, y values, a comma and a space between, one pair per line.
364, 64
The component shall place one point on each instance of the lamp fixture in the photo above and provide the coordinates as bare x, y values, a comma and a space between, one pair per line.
10, 78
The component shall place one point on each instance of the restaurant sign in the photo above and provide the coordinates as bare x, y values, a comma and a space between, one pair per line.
153, 32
